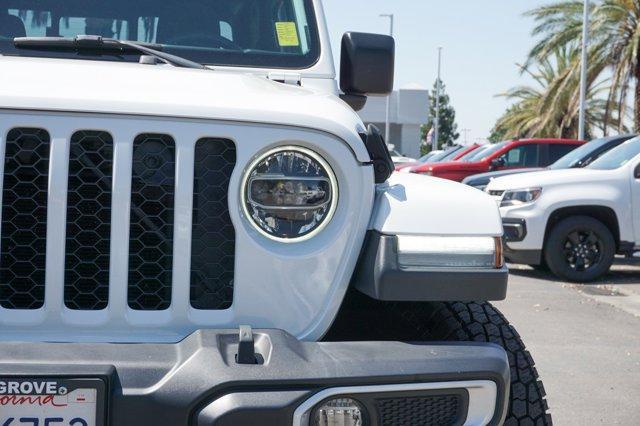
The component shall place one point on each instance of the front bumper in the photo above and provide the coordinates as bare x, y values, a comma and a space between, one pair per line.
515, 231
198, 381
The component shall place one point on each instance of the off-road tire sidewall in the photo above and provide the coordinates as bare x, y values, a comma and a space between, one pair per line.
554, 247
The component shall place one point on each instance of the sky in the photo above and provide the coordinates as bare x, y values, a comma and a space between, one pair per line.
482, 41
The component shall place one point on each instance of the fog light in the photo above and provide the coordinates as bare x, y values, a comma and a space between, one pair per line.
449, 252
338, 412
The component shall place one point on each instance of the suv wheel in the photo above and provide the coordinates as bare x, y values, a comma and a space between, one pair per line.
362, 318
580, 249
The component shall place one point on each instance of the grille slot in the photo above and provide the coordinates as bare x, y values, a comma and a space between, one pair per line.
425, 410
151, 228
213, 235
88, 237
24, 219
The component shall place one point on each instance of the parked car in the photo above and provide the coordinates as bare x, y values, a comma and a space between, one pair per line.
451, 154
227, 243
575, 220
431, 157
513, 154
399, 158
580, 157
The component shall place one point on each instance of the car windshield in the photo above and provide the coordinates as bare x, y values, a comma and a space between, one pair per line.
472, 153
575, 157
428, 156
446, 155
253, 33
484, 151
617, 157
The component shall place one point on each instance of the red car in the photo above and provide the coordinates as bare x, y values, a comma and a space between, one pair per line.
451, 154
515, 154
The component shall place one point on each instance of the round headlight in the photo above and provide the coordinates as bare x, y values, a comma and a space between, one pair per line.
290, 194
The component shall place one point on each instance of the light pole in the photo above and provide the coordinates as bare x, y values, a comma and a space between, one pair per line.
436, 131
583, 72
387, 126
466, 136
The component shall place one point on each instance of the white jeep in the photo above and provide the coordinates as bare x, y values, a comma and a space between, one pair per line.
573, 221
225, 243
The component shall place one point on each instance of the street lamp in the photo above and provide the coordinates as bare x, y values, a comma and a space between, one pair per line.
583, 72
436, 132
387, 126
466, 136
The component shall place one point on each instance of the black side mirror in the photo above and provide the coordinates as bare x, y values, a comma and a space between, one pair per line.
367, 66
636, 172
496, 163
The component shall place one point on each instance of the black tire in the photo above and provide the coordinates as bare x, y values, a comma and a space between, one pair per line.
580, 249
455, 321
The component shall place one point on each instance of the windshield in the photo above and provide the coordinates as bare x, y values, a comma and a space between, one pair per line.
472, 153
483, 152
617, 157
575, 157
253, 33
446, 155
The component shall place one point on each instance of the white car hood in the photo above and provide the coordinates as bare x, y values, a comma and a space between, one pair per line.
162, 90
547, 178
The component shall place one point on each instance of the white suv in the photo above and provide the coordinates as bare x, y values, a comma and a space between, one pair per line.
573, 221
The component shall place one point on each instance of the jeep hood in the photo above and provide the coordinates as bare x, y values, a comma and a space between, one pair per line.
548, 178
162, 90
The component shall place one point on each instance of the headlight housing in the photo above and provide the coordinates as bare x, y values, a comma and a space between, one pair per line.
520, 196
289, 194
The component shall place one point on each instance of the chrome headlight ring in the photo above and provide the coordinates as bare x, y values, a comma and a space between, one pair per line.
289, 194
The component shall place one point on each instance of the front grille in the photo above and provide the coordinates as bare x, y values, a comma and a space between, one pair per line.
24, 219
213, 236
90, 231
496, 193
151, 235
425, 411
88, 221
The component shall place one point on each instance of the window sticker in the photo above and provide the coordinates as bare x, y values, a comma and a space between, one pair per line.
287, 34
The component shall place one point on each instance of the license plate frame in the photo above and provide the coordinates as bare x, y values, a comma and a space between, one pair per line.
63, 385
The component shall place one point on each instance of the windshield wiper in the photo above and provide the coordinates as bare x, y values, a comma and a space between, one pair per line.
100, 44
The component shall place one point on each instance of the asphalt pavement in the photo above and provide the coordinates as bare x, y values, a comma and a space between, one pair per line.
585, 340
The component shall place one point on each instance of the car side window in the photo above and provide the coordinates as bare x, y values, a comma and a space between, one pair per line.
521, 156
557, 151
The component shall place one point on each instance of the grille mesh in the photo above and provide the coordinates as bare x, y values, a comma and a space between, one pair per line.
151, 229
24, 219
427, 410
88, 238
213, 235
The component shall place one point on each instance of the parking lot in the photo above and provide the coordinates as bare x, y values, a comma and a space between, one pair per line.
584, 339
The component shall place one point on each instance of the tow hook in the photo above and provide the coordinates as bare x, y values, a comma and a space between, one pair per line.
246, 347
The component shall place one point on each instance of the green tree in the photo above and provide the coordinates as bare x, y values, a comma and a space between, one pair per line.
551, 107
614, 46
448, 129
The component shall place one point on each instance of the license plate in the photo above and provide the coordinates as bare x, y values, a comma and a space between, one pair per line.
51, 402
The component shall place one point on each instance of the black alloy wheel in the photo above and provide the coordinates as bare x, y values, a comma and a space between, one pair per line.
580, 249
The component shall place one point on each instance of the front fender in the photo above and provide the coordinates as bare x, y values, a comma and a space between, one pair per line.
410, 204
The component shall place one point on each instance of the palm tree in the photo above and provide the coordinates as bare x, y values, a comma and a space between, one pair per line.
550, 108
615, 45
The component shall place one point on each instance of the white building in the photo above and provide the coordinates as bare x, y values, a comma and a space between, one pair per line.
409, 111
